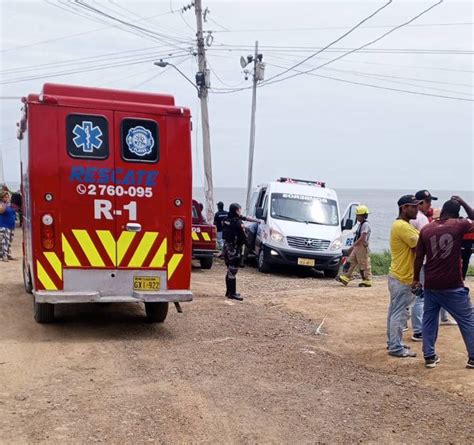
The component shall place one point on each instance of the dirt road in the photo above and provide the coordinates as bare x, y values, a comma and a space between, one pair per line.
225, 372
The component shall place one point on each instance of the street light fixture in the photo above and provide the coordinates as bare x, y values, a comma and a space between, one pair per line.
163, 64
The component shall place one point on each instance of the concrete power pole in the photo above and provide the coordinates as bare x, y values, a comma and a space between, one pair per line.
202, 80
258, 72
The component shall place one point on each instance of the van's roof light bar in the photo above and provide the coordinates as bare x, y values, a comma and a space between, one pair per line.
302, 181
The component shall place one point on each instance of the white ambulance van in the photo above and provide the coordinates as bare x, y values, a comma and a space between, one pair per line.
300, 224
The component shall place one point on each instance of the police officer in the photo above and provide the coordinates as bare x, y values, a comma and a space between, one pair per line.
234, 238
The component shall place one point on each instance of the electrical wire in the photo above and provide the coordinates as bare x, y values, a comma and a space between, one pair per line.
89, 59
94, 68
371, 76
69, 36
322, 28
357, 25
220, 79
75, 6
302, 49
425, 11
160, 73
416, 79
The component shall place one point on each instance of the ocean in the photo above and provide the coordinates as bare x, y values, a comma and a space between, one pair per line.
382, 205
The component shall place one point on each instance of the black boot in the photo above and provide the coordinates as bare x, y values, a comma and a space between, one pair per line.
228, 289
233, 286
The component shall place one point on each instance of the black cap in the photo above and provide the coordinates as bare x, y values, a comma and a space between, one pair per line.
409, 200
425, 194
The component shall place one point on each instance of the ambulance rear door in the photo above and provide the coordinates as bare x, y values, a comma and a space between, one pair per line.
141, 215
87, 164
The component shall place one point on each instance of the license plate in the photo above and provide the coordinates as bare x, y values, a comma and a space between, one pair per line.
146, 283
306, 262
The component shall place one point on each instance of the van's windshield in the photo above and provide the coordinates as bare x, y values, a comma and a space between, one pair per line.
303, 208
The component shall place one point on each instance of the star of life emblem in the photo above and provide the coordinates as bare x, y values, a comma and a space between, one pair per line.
140, 141
87, 136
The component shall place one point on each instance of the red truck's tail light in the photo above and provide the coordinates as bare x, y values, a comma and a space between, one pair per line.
47, 231
178, 235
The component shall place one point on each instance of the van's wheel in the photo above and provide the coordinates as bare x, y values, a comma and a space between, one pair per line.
156, 312
44, 312
263, 266
206, 263
27, 279
331, 273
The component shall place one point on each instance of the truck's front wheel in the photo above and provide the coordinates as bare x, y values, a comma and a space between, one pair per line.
44, 312
156, 312
206, 263
263, 265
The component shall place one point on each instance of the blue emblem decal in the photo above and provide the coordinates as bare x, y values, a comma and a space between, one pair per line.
140, 141
87, 137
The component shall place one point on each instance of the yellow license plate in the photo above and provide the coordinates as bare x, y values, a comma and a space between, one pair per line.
306, 262
146, 283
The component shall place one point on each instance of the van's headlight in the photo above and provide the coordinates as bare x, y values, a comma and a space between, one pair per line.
276, 236
336, 244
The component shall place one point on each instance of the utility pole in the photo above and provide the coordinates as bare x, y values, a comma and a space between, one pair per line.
258, 72
202, 80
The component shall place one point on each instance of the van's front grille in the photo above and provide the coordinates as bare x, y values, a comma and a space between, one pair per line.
313, 244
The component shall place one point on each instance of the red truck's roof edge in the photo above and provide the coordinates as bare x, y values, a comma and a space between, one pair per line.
56, 89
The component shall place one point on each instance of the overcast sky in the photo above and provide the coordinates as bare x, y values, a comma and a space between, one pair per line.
351, 135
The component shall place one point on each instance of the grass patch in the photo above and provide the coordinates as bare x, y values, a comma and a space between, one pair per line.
380, 262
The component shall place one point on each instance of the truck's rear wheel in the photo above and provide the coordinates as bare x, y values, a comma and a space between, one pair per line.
263, 266
206, 263
156, 312
44, 312
27, 279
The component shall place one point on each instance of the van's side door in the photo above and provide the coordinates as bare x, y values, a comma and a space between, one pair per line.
349, 220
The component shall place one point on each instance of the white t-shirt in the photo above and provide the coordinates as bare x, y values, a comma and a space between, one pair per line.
420, 221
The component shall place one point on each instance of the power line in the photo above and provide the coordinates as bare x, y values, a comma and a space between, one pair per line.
334, 41
270, 81
380, 87
416, 79
128, 24
384, 79
151, 58
322, 28
295, 49
76, 5
89, 59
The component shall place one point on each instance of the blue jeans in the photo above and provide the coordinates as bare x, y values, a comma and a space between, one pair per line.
401, 297
417, 310
458, 303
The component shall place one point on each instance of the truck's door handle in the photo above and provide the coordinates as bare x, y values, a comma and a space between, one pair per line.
133, 227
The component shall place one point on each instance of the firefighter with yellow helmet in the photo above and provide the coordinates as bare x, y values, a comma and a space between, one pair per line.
359, 253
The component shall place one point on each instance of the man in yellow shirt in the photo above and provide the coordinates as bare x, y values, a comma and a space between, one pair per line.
403, 240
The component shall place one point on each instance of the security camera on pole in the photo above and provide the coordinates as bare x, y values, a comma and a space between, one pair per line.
257, 75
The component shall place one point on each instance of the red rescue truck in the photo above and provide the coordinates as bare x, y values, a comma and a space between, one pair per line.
204, 236
106, 180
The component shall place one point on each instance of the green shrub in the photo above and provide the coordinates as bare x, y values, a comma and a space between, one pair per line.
380, 262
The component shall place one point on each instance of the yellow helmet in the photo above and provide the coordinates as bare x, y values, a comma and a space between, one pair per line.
362, 210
